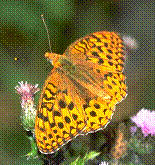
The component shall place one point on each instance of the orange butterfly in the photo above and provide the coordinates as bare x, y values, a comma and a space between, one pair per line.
80, 93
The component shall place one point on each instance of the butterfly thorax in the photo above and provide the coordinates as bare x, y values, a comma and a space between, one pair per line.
72, 70
61, 62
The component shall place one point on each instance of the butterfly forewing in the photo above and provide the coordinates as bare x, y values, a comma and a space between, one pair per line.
105, 49
101, 56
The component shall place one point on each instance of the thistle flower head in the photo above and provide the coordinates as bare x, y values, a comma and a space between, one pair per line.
145, 119
27, 93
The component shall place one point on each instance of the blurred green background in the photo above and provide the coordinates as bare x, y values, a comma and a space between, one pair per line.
24, 36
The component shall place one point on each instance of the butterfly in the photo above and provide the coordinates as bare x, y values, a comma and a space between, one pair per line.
82, 90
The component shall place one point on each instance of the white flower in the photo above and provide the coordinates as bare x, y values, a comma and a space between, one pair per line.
103, 163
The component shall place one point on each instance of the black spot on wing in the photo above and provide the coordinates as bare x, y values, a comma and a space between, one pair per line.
41, 116
62, 104
52, 125
56, 113
109, 57
97, 106
52, 93
67, 119
100, 49
98, 39
110, 51
100, 61
52, 85
106, 44
48, 98
95, 54
93, 114
60, 125
74, 116
82, 42
71, 105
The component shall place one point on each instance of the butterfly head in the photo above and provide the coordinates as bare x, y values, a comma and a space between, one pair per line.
53, 58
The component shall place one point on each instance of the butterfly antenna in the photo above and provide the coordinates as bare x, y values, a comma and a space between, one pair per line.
47, 32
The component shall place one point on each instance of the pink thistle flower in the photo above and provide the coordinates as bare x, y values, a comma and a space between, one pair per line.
27, 93
133, 130
130, 42
145, 119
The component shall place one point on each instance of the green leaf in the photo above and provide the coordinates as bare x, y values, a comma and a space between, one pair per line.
81, 161
91, 155
33, 153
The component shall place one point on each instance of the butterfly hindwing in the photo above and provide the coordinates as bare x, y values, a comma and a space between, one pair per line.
60, 115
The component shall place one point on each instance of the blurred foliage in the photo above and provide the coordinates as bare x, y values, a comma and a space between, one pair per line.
139, 146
